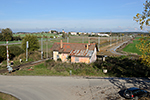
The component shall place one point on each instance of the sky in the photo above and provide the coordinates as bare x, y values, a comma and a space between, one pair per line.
71, 15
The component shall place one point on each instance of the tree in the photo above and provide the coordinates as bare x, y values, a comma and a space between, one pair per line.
144, 45
64, 35
33, 43
144, 18
1, 37
7, 34
3, 54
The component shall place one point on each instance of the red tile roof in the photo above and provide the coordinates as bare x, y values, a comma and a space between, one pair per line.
68, 47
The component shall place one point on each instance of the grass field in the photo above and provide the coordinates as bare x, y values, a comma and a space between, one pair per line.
40, 34
131, 48
4, 42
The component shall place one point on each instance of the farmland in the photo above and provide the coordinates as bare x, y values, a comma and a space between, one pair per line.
131, 48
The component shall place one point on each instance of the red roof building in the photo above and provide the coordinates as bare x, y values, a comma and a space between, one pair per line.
79, 52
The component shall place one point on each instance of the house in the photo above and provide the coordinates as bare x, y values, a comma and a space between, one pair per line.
78, 52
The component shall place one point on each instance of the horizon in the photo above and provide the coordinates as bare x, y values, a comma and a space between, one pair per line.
74, 15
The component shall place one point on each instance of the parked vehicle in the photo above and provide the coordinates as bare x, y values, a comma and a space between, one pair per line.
134, 92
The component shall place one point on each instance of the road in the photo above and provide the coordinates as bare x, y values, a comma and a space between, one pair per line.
11, 43
65, 88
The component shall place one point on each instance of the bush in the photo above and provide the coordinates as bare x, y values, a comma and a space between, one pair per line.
59, 59
51, 37
16, 38
15, 51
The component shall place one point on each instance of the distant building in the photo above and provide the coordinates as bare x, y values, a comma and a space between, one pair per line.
103, 35
50, 31
73, 33
63, 31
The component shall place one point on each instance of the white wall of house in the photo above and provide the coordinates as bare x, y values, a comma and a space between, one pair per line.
93, 57
55, 55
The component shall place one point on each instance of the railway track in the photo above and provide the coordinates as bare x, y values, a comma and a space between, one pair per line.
23, 66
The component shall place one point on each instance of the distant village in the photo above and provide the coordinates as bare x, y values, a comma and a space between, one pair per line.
101, 34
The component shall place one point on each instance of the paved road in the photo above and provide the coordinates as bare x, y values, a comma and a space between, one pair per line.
63, 88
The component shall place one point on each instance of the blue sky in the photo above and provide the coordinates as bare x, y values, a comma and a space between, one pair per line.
70, 15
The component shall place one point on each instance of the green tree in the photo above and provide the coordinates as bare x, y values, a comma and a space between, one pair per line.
3, 54
64, 35
143, 18
7, 34
1, 37
144, 45
33, 43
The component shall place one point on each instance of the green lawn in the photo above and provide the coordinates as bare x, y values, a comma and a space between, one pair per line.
131, 48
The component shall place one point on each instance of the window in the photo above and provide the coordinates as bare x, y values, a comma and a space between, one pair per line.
77, 59
57, 56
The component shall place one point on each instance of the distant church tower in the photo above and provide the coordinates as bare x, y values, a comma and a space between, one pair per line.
63, 31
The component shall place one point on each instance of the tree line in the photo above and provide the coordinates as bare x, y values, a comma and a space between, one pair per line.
7, 34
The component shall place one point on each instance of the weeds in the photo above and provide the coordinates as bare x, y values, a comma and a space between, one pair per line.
116, 66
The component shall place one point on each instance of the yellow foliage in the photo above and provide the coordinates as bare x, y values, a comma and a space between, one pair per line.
144, 47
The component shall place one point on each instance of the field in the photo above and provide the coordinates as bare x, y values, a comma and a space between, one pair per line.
131, 48
38, 35
4, 42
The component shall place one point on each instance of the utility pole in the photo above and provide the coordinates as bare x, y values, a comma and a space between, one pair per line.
8, 63
47, 47
42, 47
82, 39
117, 39
67, 39
99, 43
27, 46
110, 38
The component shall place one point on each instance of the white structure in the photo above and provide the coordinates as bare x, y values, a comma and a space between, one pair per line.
73, 33
103, 35
50, 31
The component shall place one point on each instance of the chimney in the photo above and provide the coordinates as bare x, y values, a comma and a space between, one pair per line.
61, 44
87, 46
89, 42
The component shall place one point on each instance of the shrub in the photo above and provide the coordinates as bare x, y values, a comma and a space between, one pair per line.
59, 59
51, 37
16, 38
15, 50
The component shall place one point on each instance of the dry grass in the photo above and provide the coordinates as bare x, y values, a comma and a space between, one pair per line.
4, 96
